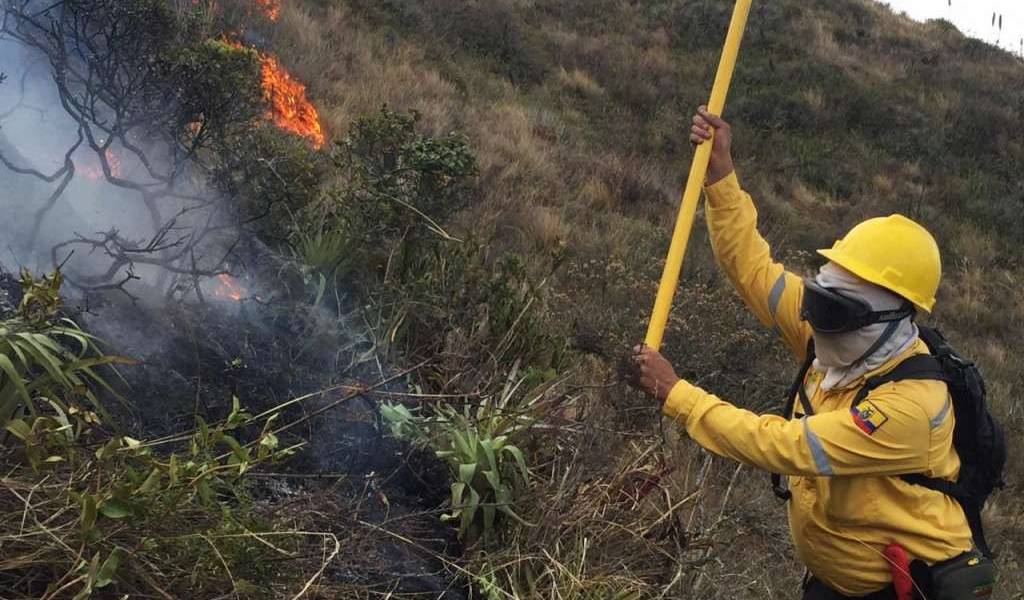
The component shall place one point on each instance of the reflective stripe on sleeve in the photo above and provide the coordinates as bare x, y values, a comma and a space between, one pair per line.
939, 418
817, 450
776, 294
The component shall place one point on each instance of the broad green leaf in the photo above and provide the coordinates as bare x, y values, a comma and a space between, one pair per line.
25, 363
105, 575
489, 453
88, 518
62, 417
269, 441
152, 481
458, 489
14, 377
239, 454
466, 473
462, 445
108, 450
18, 428
469, 511
517, 454
493, 479
44, 357
115, 509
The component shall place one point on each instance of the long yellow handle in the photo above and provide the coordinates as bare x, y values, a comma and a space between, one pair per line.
694, 183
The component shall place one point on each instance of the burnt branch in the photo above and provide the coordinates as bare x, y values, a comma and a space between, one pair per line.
148, 117
68, 173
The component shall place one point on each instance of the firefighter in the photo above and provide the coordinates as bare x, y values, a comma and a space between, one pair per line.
847, 503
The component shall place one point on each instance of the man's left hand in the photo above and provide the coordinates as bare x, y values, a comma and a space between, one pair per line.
654, 374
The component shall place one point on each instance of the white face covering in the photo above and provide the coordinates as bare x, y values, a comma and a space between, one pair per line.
844, 357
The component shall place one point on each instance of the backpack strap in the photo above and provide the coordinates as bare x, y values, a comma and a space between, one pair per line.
795, 389
925, 366
919, 366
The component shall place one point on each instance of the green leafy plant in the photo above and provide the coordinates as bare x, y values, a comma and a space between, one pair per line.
476, 441
323, 248
47, 357
129, 507
395, 187
487, 469
400, 420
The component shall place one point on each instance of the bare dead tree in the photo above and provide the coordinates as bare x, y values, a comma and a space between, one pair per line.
115, 77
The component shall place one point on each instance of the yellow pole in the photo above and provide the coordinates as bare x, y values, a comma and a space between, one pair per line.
694, 183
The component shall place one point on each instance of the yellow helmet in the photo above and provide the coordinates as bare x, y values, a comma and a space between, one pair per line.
895, 253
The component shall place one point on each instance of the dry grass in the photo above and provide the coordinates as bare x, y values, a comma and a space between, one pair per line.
622, 514
351, 72
580, 82
543, 229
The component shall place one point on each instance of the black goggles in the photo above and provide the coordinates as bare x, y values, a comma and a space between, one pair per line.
831, 312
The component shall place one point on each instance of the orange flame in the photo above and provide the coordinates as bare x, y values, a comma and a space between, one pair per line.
95, 171
229, 288
271, 8
289, 108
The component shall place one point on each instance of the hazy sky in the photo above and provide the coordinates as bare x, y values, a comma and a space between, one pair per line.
973, 17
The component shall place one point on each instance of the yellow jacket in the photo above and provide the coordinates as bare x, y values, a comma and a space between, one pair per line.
847, 506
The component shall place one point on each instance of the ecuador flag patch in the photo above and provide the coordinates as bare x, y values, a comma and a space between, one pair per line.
867, 417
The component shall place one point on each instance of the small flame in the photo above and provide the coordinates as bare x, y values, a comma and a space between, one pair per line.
270, 8
94, 171
229, 288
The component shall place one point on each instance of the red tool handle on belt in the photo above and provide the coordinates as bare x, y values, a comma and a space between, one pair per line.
899, 563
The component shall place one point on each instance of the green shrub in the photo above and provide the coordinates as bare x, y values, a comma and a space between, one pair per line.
116, 512
271, 174
468, 312
217, 89
397, 186
46, 358
383, 227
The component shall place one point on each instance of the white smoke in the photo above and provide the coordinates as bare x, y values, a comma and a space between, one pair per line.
36, 133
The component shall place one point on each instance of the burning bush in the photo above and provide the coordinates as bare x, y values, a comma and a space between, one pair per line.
201, 134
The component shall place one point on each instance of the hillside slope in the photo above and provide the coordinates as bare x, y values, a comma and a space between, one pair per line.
578, 110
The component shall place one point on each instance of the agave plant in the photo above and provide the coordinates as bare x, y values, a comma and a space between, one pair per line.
488, 468
485, 481
476, 442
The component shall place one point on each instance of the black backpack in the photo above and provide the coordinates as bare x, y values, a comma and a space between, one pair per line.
977, 437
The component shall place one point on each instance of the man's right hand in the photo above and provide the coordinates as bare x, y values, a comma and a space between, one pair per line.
721, 153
